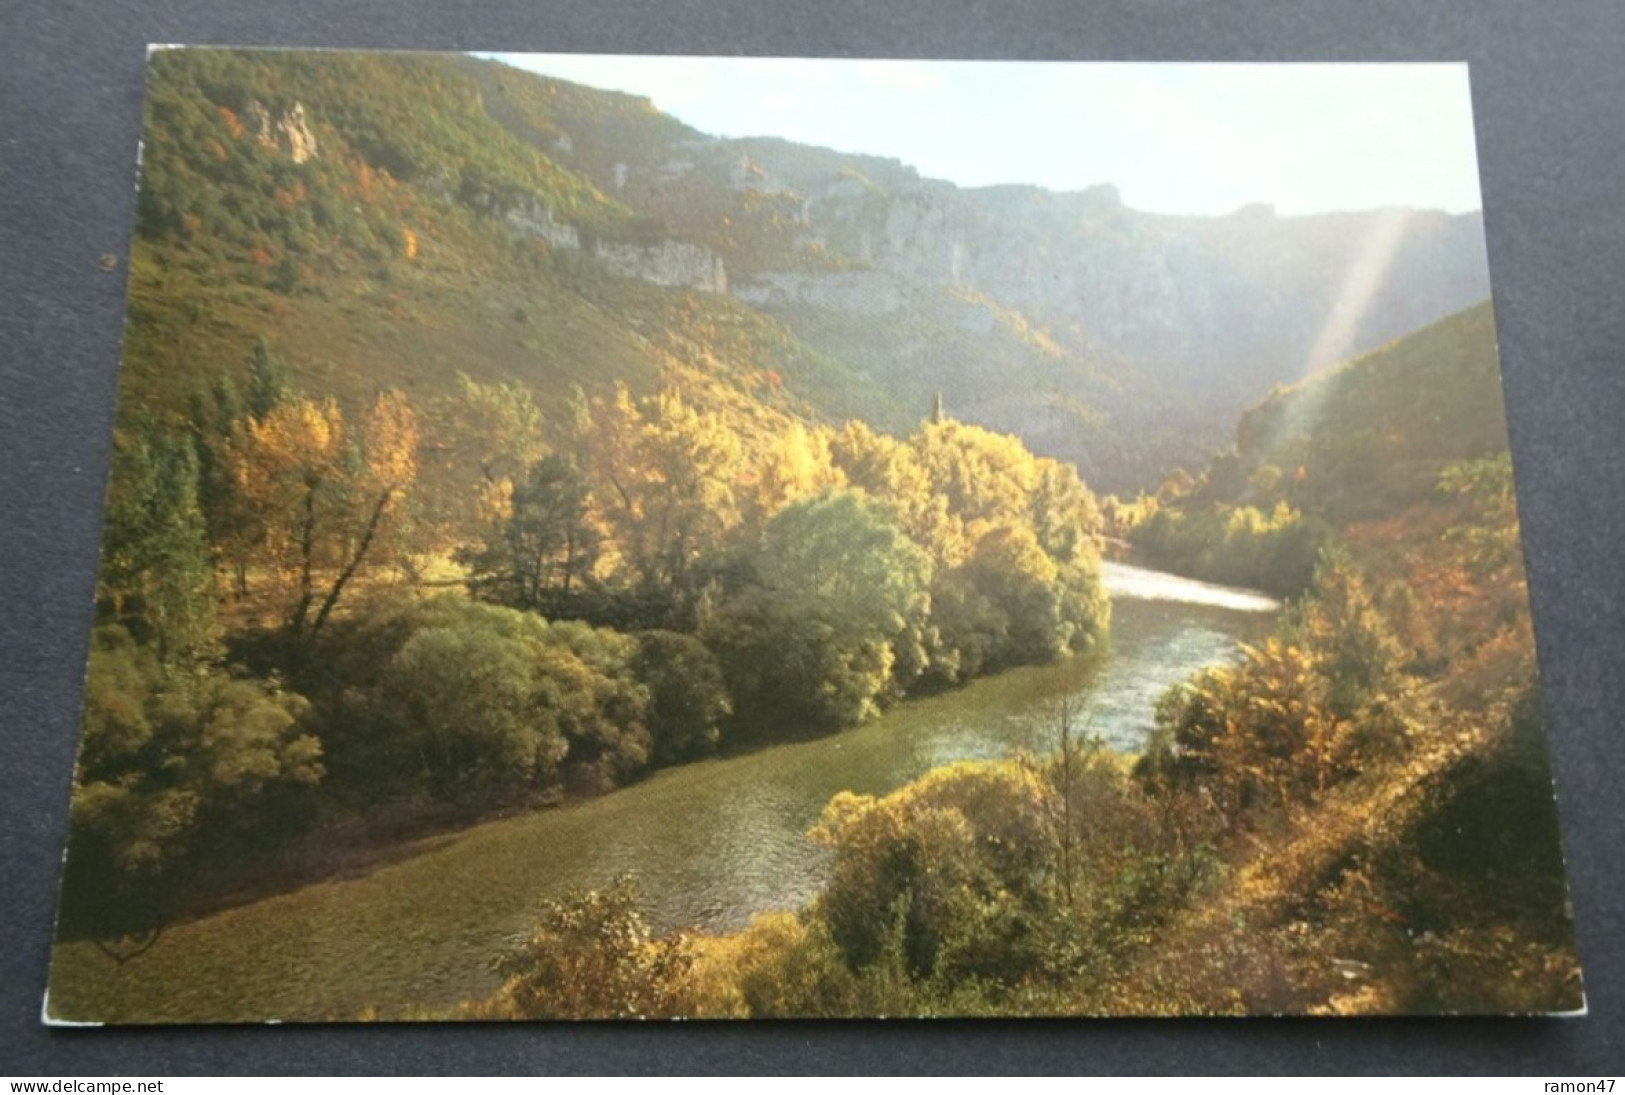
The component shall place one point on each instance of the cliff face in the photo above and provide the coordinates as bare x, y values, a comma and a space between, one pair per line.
1224, 307
288, 134
1123, 340
669, 263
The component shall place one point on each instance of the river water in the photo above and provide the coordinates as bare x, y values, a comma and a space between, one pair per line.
717, 842
710, 844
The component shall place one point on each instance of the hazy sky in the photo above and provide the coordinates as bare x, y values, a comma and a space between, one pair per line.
1177, 138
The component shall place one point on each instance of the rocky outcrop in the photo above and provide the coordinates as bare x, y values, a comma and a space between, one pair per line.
1126, 340
860, 293
670, 263
288, 134
525, 215
532, 218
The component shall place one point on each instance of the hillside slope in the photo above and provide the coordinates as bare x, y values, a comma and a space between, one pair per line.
413, 208
1122, 340
365, 216
1433, 879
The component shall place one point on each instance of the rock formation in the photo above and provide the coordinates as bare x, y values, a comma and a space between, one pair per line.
669, 263
288, 134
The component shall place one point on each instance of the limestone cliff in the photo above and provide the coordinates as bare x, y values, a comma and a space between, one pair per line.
289, 133
670, 263
1124, 340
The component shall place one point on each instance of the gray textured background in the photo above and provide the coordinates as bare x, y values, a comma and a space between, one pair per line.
1549, 94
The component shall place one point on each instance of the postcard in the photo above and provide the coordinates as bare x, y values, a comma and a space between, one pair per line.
677, 537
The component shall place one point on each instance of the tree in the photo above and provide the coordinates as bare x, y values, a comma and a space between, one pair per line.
602, 707
888, 473
1341, 625
268, 383
213, 412
1070, 761
157, 575
496, 436
691, 464
1304, 711
688, 698
664, 478
174, 772
1010, 603
982, 478
1011, 568
468, 704
814, 639
797, 464
546, 548
1065, 519
954, 867
323, 501
478, 704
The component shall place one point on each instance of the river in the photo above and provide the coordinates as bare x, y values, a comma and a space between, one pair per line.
710, 843
716, 842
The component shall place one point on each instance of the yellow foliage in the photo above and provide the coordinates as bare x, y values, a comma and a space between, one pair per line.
392, 442
666, 480
1008, 549
981, 789
494, 499
730, 972
315, 498
797, 464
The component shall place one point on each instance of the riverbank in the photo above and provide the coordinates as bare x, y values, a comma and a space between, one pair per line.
711, 843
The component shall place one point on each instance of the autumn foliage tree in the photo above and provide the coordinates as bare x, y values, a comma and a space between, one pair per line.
325, 501
493, 435
1308, 709
666, 478
952, 871
544, 552
590, 955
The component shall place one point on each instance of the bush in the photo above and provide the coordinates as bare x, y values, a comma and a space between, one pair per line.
687, 697
955, 864
1302, 712
476, 704
175, 773
591, 955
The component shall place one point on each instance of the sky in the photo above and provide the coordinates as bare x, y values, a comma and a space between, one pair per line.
1174, 138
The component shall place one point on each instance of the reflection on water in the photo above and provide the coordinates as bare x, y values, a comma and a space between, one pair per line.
1131, 582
